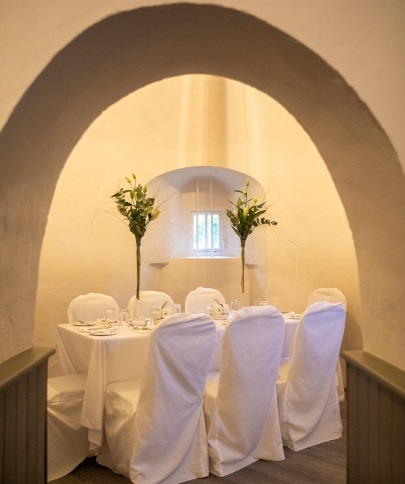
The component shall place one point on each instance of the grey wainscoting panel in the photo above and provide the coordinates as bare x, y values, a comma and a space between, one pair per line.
23, 404
375, 419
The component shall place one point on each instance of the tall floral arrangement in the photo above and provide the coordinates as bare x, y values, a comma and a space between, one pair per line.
139, 210
245, 215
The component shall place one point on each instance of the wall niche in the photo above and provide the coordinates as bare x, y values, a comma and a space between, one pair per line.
170, 261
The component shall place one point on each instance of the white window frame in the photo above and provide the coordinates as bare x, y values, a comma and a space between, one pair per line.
206, 245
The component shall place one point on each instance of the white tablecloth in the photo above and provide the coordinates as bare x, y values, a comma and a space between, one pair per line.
118, 357
104, 359
290, 327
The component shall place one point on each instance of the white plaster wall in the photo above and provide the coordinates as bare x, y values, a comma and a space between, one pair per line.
363, 40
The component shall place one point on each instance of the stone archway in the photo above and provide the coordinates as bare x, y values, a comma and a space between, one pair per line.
131, 49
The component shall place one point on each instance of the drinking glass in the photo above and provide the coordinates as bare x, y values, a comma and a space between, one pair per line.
177, 308
124, 316
110, 315
156, 315
209, 310
234, 305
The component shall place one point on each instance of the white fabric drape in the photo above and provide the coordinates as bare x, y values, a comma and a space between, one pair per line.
197, 300
334, 295
306, 387
155, 430
67, 439
240, 403
90, 307
104, 360
147, 301
329, 294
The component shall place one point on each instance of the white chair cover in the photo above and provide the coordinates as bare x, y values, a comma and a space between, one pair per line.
155, 429
147, 301
90, 307
197, 300
330, 294
306, 389
334, 295
67, 444
240, 403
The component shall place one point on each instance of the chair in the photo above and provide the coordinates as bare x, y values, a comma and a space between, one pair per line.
67, 444
240, 402
332, 294
197, 300
147, 301
306, 388
154, 427
90, 307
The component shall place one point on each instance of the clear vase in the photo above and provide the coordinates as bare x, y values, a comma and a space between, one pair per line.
243, 300
243, 296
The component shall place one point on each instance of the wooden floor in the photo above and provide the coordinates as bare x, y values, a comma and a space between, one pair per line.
321, 464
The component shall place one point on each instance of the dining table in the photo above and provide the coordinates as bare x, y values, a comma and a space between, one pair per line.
117, 354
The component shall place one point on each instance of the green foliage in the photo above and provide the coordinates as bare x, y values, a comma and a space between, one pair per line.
135, 205
246, 214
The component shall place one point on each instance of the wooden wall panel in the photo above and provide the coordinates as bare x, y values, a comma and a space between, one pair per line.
376, 420
23, 406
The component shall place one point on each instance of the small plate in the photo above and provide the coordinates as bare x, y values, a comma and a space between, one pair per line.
141, 329
84, 324
103, 332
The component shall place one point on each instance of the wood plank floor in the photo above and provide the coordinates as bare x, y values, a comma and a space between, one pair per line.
320, 464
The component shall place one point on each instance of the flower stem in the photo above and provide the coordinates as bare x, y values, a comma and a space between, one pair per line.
242, 282
138, 267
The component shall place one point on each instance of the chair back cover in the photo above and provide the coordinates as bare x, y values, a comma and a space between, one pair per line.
197, 300
155, 428
334, 295
242, 418
90, 307
307, 398
67, 443
170, 439
147, 301
330, 294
